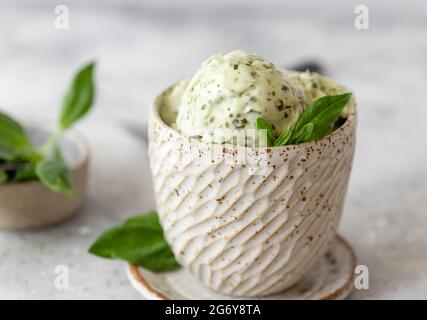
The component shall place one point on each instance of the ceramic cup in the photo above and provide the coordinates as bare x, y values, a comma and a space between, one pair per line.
253, 227
30, 204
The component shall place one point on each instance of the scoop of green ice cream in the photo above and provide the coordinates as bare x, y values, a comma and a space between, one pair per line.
223, 100
230, 92
172, 101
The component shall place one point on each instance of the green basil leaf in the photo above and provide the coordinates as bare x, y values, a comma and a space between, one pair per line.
304, 134
149, 219
263, 124
3, 177
318, 120
324, 105
79, 98
284, 137
161, 260
53, 172
6, 154
13, 138
139, 240
26, 172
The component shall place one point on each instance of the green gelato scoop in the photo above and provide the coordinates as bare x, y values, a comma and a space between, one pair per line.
222, 101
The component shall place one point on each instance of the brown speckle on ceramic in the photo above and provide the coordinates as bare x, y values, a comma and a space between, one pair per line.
331, 279
242, 227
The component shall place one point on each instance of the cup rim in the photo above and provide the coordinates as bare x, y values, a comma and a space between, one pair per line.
350, 121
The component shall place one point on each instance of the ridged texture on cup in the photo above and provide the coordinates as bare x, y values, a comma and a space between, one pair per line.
252, 227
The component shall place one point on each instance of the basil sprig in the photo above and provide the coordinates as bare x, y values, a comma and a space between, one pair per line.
14, 141
21, 161
313, 124
138, 240
53, 172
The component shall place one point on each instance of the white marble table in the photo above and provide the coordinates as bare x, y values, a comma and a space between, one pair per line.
140, 48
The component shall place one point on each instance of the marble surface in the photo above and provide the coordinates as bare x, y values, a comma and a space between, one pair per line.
141, 47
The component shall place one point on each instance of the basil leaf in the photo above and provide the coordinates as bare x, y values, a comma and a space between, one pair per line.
284, 137
149, 219
304, 134
6, 154
139, 240
263, 124
3, 177
79, 98
26, 172
53, 172
13, 138
319, 106
322, 113
162, 260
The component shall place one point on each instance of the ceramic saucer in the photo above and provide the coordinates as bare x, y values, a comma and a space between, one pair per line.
330, 279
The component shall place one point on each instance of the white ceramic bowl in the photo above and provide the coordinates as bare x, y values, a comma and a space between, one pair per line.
253, 227
29, 205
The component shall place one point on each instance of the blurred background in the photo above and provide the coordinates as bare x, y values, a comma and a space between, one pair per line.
143, 46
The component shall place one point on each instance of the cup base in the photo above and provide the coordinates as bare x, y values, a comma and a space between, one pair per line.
330, 279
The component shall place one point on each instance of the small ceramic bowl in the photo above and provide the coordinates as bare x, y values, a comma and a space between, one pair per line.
254, 227
30, 204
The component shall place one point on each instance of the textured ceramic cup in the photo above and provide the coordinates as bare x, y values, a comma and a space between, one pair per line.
254, 227
30, 204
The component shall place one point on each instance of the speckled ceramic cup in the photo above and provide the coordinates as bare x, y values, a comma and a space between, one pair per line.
250, 228
29, 205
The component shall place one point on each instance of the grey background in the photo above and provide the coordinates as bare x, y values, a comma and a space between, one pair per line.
143, 46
